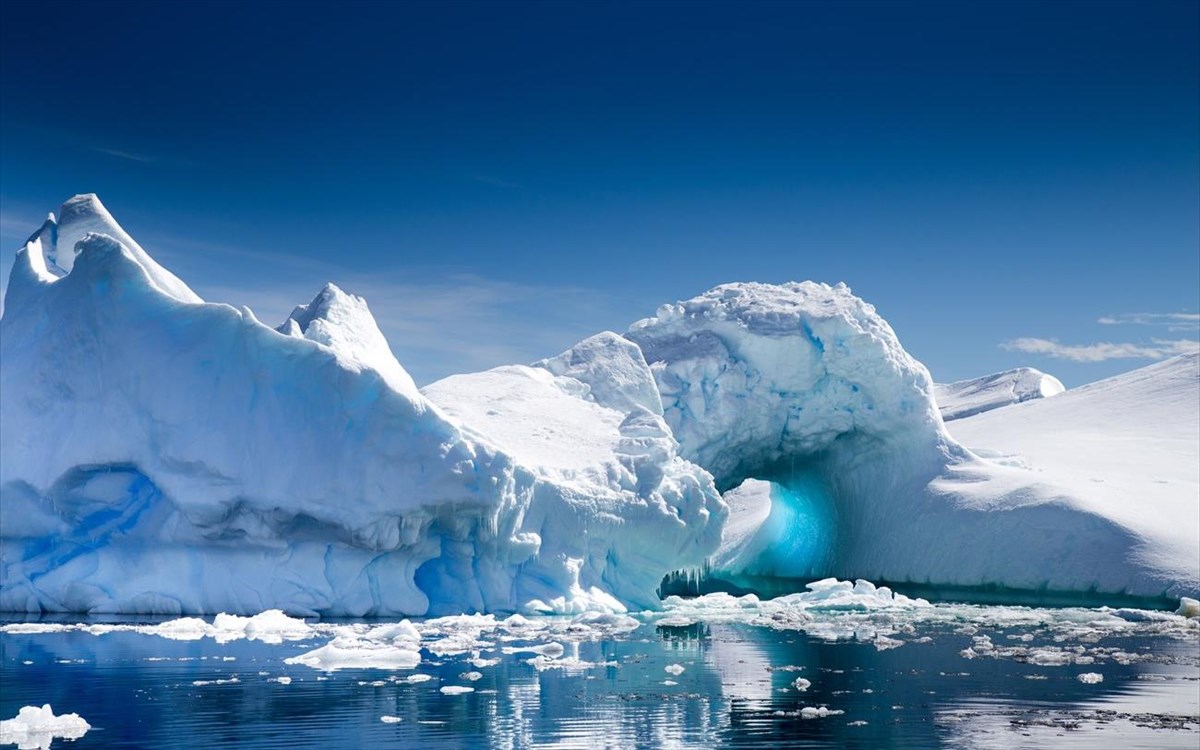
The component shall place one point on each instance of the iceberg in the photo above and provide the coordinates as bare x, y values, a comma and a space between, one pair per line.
163, 455
827, 440
159, 454
966, 398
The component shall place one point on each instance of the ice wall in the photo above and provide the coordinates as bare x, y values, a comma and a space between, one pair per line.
160, 454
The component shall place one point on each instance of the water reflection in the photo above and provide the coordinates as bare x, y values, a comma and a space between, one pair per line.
736, 690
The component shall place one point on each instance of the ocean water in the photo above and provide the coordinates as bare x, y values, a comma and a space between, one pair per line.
948, 676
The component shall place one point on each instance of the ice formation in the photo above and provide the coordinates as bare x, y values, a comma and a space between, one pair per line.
966, 398
35, 727
835, 460
163, 455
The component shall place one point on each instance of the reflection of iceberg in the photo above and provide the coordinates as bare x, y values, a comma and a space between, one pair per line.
738, 658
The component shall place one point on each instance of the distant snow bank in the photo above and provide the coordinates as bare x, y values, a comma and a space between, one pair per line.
966, 398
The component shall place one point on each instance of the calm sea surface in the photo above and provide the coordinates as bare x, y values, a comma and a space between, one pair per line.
737, 689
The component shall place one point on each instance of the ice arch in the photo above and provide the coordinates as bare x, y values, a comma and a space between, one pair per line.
806, 386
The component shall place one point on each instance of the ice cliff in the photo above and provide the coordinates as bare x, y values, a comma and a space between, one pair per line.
159, 454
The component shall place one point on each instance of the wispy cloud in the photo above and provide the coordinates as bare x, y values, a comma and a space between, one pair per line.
127, 155
1104, 351
1175, 322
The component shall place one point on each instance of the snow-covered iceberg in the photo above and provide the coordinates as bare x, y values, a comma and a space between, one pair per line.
826, 437
966, 398
160, 454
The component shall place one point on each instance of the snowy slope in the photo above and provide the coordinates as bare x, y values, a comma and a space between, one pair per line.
159, 454
965, 398
1125, 449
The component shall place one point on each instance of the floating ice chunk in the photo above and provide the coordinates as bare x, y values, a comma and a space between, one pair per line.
568, 663
675, 669
35, 727
222, 681
391, 719
1090, 678
414, 679
456, 689
282, 680
810, 712
471, 676
1188, 607
801, 684
346, 652
271, 626
402, 631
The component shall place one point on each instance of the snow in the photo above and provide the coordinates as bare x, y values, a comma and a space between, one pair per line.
966, 398
1120, 455
35, 727
614, 370
344, 324
161, 455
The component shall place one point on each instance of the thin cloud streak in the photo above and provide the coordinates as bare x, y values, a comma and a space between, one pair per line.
1177, 321
127, 155
1103, 351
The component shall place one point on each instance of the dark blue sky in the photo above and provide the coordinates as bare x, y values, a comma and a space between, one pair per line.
501, 179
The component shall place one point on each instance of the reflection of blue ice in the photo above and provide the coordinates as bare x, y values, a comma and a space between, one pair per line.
139, 691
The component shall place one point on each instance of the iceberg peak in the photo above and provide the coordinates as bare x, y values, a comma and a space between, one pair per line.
343, 323
50, 253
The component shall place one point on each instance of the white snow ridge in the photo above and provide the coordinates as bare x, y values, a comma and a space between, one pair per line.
966, 398
159, 454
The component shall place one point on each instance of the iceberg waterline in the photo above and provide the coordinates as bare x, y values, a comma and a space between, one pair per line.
163, 455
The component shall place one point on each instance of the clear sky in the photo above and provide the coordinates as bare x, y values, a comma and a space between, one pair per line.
1009, 183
